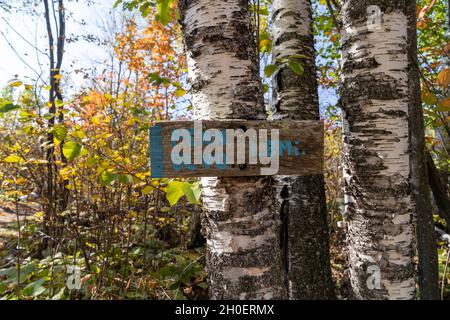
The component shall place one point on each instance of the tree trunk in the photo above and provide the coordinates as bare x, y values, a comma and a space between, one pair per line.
301, 200
57, 199
375, 101
420, 190
241, 225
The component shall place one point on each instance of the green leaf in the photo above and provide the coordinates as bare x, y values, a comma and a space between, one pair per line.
156, 79
192, 192
145, 9
296, 66
90, 161
59, 103
107, 177
60, 132
163, 15
35, 288
71, 150
117, 3
48, 116
126, 179
270, 69
174, 192
7, 107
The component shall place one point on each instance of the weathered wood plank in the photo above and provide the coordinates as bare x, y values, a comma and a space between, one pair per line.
300, 148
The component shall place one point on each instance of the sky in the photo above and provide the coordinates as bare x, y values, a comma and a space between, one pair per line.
20, 33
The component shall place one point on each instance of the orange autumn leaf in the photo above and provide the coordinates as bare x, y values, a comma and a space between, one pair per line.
444, 77
428, 97
444, 105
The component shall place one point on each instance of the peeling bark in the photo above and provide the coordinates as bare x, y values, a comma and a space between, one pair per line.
241, 225
301, 200
374, 97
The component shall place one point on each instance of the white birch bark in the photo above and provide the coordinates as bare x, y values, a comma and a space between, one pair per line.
240, 224
374, 97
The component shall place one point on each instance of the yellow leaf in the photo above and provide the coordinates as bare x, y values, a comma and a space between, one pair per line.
14, 159
66, 173
21, 181
40, 161
39, 214
15, 83
265, 43
90, 244
155, 183
95, 120
180, 92
147, 190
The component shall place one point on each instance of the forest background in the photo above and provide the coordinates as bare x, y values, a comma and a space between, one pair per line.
121, 68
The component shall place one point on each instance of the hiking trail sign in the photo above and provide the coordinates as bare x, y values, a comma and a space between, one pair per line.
235, 148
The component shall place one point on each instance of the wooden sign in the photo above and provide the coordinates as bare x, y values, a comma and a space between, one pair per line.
236, 148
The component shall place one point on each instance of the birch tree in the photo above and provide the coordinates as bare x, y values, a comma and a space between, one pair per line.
240, 224
302, 205
378, 96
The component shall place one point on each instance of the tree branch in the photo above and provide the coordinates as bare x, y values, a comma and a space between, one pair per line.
439, 189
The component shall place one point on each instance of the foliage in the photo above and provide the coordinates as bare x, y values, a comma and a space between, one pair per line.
127, 233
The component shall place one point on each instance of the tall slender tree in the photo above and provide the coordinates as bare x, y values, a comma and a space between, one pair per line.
302, 204
375, 100
241, 225
57, 194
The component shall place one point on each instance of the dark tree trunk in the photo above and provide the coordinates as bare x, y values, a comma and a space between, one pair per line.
301, 200
420, 191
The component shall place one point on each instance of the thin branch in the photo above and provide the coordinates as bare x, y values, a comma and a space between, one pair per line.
22, 37
54, 16
18, 55
333, 16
